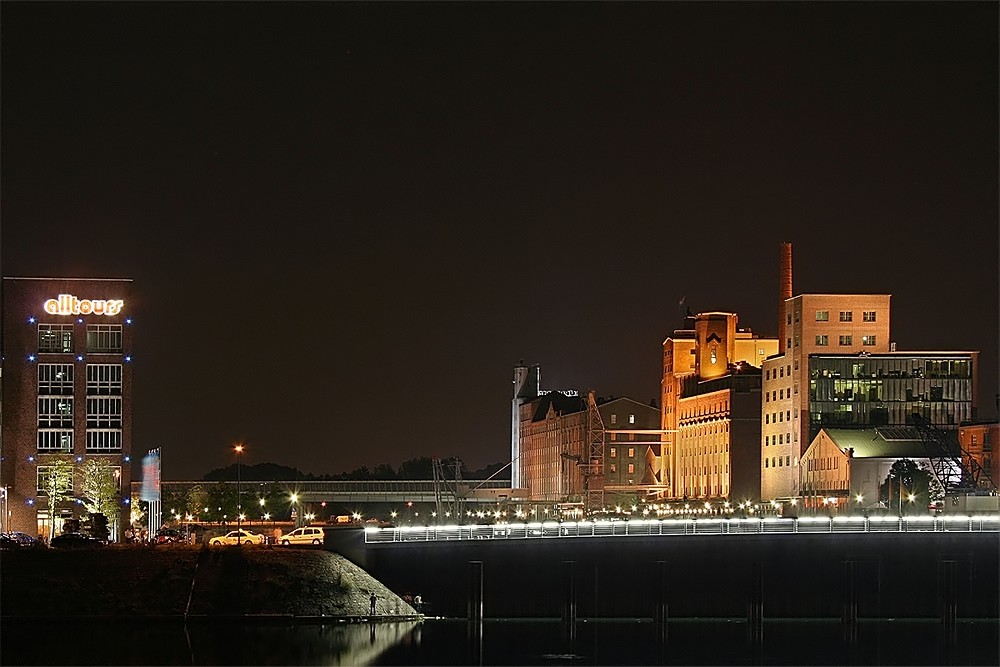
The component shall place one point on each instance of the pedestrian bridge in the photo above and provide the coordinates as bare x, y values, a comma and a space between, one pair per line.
474, 492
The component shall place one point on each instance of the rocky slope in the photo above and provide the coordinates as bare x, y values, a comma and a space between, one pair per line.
199, 581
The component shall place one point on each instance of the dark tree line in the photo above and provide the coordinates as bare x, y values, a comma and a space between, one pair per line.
415, 469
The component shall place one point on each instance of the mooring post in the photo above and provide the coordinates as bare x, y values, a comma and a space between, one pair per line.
755, 607
474, 611
947, 597
849, 608
660, 610
569, 591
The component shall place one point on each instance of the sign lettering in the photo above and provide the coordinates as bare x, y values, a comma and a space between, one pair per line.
67, 304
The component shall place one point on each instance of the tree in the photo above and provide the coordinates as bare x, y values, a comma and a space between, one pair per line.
99, 483
58, 486
905, 478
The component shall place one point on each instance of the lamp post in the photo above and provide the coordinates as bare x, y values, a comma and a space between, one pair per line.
239, 499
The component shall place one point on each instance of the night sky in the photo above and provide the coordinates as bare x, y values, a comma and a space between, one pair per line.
359, 217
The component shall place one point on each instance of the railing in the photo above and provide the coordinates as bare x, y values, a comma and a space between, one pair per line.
989, 523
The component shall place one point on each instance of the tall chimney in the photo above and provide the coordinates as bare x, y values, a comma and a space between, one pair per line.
784, 290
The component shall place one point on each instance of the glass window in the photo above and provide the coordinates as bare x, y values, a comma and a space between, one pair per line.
55, 412
104, 412
614, 419
55, 337
614, 452
104, 338
631, 452
55, 379
631, 419
822, 340
845, 340
822, 315
846, 316
631, 468
104, 440
868, 316
104, 379
55, 440
868, 340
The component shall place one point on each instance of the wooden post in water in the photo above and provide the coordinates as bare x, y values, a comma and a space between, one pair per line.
947, 597
755, 606
569, 591
474, 611
660, 609
849, 608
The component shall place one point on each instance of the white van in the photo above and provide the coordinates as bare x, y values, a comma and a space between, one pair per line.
303, 535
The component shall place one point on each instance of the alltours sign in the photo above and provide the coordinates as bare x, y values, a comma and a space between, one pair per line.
67, 304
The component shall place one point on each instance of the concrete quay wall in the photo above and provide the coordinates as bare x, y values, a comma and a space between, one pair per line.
884, 575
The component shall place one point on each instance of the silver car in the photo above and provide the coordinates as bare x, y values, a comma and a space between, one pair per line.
303, 535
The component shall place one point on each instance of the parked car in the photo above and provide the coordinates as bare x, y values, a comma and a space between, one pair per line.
8, 542
23, 539
237, 537
169, 535
75, 541
304, 535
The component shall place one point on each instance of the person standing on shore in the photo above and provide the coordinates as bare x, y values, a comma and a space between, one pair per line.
373, 599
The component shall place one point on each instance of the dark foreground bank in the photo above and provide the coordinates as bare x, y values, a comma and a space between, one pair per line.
178, 581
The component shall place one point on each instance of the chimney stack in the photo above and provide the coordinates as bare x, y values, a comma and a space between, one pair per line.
784, 290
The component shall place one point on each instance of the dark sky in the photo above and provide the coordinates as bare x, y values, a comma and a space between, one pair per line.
347, 222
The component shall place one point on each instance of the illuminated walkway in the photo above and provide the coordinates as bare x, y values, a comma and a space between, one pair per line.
987, 523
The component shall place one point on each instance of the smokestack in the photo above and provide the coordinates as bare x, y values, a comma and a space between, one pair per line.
784, 290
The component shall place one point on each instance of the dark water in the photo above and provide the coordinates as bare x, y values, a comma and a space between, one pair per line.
494, 642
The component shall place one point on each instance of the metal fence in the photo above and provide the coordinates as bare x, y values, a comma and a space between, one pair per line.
722, 526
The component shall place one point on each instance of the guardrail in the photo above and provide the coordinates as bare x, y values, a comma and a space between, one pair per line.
722, 526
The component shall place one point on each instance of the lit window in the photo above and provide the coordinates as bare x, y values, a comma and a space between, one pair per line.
631, 468
868, 340
614, 419
868, 316
822, 340
55, 337
846, 316
614, 452
631, 453
822, 315
631, 419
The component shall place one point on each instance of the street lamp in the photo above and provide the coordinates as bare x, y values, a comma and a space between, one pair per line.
239, 499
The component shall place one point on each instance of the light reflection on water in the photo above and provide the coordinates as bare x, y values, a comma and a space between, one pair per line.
514, 642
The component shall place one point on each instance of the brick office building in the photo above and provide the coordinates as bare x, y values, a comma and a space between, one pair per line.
66, 392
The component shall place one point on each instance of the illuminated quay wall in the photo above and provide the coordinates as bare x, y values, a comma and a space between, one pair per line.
67, 390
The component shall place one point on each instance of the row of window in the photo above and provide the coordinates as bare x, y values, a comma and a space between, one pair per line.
843, 316
57, 412
823, 340
779, 394
775, 417
61, 440
612, 467
777, 461
57, 379
100, 338
779, 439
614, 419
614, 452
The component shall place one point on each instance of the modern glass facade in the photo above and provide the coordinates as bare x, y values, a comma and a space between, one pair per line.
881, 389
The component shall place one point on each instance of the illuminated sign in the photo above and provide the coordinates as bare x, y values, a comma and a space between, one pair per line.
67, 304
